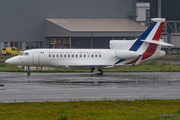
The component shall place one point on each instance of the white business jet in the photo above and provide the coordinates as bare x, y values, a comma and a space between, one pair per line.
121, 53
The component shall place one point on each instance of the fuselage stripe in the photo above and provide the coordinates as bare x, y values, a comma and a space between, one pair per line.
119, 61
133, 60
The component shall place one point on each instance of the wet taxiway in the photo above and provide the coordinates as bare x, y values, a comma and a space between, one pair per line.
18, 87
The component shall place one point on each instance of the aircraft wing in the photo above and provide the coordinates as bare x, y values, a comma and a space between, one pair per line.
99, 66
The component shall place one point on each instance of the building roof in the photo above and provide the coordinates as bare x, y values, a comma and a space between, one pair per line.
98, 25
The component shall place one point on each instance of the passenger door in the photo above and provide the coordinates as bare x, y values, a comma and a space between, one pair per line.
35, 58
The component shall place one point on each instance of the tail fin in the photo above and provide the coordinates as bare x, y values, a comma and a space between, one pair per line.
148, 45
156, 32
152, 33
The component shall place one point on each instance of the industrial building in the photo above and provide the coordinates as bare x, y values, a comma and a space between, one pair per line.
29, 24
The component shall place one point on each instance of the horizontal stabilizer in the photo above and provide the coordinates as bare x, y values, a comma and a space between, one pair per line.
157, 42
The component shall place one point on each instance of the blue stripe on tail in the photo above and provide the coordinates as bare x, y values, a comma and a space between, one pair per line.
138, 42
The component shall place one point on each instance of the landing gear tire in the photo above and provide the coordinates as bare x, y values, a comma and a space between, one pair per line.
28, 73
101, 72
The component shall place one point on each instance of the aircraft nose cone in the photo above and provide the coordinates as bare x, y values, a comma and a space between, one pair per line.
9, 61
13, 61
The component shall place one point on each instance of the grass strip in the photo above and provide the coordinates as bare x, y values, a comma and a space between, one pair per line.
92, 110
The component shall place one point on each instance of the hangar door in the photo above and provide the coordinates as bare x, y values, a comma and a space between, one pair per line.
35, 60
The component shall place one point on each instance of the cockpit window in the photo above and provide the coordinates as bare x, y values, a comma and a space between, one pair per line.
26, 53
21, 54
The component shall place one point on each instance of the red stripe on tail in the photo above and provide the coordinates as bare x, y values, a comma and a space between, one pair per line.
152, 47
158, 32
149, 51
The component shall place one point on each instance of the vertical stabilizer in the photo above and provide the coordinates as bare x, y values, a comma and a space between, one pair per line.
148, 45
156, 32
153, 32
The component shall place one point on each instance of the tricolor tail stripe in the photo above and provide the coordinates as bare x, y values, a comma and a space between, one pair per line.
138, 42
151, 48
158, 32
121, 60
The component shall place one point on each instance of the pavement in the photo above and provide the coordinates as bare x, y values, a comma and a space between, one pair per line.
38, 87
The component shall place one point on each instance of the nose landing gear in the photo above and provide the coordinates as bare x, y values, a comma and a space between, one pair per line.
28, 73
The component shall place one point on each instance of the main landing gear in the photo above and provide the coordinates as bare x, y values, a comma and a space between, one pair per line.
97, 71
28, 73
100, 72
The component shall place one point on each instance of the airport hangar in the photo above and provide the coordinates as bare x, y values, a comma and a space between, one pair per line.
67, 23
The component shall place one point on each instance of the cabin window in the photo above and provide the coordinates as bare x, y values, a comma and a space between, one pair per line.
53, 55
92, 55
49, 55
80, 55
57, 55
84, 55
72, 55
99, 55
69, 55
61, 55
64, 55
95, 55
76, 55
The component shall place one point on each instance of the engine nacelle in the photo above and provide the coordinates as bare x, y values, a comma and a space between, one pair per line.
124, 54
121, 44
